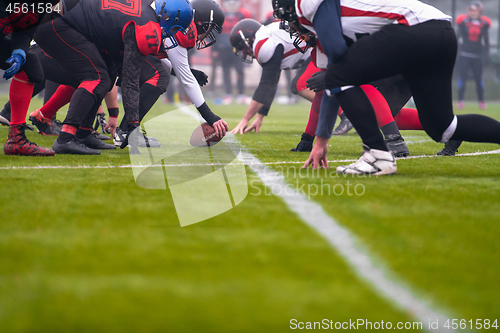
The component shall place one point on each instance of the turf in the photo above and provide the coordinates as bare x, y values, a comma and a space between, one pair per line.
87, 250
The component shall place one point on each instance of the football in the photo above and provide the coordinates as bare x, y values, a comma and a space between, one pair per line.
204, 136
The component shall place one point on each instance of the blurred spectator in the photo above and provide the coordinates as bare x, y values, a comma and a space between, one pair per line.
474, 48
222, 54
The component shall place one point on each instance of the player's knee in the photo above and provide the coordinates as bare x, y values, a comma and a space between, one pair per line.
441, 132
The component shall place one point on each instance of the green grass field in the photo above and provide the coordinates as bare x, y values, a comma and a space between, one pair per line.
87, 250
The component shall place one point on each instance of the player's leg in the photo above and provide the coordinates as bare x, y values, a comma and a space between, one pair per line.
432, 92
477, 72
298, 86
393, 139
81, 58
20, 93
463, 69
154, 80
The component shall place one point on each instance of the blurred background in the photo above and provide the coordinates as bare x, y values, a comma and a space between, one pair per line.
235, 81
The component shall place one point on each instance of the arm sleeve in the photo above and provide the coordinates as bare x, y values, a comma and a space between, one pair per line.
327, 116
179, 59
269, 79
132, 61
328, 28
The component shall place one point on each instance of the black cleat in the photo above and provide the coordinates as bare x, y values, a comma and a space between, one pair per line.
73, 147
143, 141
396, 145
101, 136
56, 125
93, 142
344, 127
42, 124
450, 148
305, 144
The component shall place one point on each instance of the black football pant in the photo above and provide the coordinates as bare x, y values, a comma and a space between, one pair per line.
82, 59
475, 65
425, 55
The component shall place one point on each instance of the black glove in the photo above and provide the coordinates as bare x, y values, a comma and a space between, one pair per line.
317, 81
200, 76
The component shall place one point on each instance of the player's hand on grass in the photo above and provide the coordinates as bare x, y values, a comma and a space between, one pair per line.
318, 156
111, 126
221, 127
256, 124
240, 128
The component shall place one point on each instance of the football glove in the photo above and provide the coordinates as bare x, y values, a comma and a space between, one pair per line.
200, 76
17, 59
317, 81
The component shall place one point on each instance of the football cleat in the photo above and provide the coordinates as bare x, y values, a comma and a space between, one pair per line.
305, 144
344, 127
482, 105
42, 124
396, 145
75, 147
372, 162
18, 144
5, 117
101, 136
243, 100
143, 142
56, 125
100, 121
92, 141
460, 105
450, 148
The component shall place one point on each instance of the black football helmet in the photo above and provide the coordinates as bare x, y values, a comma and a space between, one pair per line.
284, 10
242, 37
208, 17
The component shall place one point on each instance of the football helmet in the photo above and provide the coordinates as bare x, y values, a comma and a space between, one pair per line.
208, 17
173, 15
284, 10
242, 37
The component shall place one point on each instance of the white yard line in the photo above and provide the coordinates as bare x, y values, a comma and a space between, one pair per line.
341, 239
127, 166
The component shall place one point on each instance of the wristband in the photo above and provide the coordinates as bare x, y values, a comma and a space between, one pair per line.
207, 114
113, 112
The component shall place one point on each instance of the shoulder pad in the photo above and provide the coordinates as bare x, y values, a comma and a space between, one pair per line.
147, 37
264, 50
461, 18
188, 40
486, 19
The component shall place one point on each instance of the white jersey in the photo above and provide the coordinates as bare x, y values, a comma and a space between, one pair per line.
267, 39
361, 17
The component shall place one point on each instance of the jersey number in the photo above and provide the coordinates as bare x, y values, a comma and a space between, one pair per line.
130, 7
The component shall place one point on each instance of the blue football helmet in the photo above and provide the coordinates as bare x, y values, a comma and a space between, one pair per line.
173, 15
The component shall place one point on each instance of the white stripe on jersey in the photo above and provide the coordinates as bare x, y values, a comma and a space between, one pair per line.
368, 16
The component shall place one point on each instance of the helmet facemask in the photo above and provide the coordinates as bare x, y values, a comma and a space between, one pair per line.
243, 49
206, 36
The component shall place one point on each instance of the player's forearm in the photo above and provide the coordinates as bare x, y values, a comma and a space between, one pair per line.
252, 109
327, 116
132, 61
